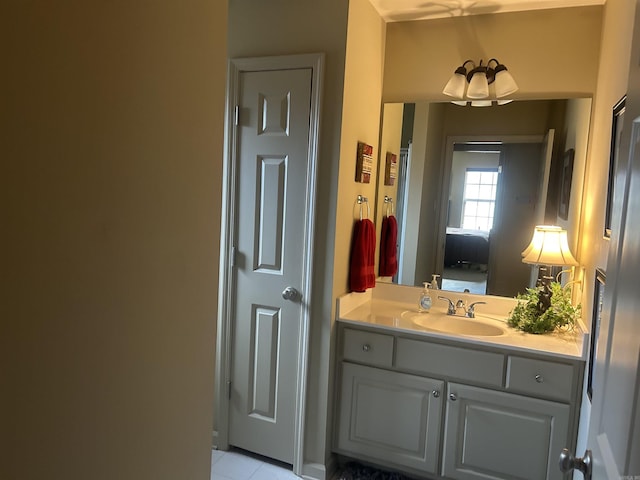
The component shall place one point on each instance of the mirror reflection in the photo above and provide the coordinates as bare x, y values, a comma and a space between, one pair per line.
471, 185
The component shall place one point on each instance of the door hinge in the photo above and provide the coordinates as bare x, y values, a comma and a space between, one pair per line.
236, 115
233, 256
229, 389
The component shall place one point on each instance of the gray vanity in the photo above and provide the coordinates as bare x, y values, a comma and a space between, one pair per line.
416, 393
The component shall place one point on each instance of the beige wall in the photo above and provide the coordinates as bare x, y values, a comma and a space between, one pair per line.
551, 53
361, 114
111, 153
611, 86
360, 122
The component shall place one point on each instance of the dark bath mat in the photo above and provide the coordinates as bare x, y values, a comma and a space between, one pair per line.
356, 471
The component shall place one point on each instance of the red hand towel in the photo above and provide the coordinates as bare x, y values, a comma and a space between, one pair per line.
388, 243
371, 254
382, 263
363, 245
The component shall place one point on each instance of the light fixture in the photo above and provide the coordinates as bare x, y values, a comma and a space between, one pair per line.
548, 248
472, 87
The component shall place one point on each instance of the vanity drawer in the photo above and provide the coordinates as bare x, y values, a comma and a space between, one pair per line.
367, 347
442, 360
540, 378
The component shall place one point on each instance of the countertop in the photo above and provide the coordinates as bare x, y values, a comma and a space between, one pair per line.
390, 308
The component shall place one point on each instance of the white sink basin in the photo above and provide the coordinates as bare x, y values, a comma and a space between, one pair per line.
478, 327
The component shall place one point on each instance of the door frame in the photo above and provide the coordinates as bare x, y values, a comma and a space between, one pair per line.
442, 208
224, 339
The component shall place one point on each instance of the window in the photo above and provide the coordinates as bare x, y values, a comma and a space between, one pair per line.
479, 198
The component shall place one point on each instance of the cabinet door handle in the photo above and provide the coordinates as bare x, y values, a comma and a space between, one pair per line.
539, 378
453, 397
366, 347
436, 393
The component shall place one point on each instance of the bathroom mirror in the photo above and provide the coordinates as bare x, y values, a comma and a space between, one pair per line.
472, 182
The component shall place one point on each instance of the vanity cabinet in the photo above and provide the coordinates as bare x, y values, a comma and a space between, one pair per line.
447, 409
497, 435
391, 416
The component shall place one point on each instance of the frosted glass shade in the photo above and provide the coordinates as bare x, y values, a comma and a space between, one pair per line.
504, 83
456, 85
481, 103
549, 246
478, 86
526, 251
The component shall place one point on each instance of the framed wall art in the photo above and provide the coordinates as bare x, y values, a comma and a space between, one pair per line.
596, 315
364, 162
616, 130
391, 169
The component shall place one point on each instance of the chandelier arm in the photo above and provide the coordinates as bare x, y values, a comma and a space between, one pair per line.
469, 61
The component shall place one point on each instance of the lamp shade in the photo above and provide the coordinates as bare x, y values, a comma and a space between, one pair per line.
549, 246
481, 103
479, 85
535, 238
504, 82
456, 84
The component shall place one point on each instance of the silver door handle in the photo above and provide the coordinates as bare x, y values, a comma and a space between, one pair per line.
568, 463
292, 294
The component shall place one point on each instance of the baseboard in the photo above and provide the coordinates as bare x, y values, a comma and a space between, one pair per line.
318, 471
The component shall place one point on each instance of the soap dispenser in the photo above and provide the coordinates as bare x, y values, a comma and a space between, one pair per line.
434, 282
425, 298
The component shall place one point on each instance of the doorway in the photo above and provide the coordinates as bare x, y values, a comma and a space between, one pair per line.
502, 179
270, 167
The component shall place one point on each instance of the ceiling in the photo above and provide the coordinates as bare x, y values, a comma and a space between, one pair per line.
404, 10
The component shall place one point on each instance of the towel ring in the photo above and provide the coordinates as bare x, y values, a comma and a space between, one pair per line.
359, 201
388, 203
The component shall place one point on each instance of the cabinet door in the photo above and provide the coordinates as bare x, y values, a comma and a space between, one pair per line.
497, 435
390, 417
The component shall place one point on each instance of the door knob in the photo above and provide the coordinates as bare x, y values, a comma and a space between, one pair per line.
292, 294
568, 463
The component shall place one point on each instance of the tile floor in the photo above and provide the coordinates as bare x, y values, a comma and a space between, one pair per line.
239, 465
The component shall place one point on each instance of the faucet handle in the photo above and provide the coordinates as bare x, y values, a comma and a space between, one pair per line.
451, 309
471, 310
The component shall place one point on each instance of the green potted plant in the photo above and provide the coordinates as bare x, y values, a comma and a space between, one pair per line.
544, 309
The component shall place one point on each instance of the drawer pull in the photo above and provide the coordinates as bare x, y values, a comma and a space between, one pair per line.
453, 397
366, 347
436, 393
539, 378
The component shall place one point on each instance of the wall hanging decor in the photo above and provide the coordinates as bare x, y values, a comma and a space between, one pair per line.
364, 162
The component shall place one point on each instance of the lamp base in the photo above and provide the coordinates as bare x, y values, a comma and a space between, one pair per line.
544, 295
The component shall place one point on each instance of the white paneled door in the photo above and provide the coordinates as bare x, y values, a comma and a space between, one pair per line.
272, 169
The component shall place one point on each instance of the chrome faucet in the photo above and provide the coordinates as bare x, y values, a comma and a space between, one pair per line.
471, 310
452, 308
